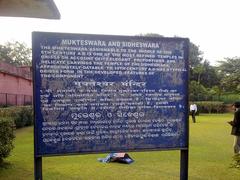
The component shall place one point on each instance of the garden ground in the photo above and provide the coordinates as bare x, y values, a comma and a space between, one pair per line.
210, 156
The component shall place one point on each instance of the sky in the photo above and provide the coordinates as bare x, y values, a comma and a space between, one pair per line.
213, 25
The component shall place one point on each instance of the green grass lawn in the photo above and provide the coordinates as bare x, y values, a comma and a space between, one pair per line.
210, 155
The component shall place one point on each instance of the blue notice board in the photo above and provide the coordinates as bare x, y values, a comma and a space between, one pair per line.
104, 93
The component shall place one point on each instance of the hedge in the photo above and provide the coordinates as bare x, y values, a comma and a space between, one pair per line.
21, 115
228, 98
24, 117
6, 137
210, 106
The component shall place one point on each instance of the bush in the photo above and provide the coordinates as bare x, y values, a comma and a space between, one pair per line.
6, 137
210, 107
22, 115
9, 111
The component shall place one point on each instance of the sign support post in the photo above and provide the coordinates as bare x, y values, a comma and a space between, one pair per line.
38, 168
184, 165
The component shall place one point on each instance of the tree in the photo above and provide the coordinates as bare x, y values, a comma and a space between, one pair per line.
216, 92
198, 70
151, 35
15, 53
230, 72
195, 62
197, 92
209, 76
195, 55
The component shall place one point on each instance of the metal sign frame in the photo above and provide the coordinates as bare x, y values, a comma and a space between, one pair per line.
38, 156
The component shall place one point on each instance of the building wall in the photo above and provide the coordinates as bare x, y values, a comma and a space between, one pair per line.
16, 86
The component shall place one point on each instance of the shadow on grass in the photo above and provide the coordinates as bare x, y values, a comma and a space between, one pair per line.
5, 165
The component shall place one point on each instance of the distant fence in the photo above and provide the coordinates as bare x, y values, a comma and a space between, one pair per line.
15, 99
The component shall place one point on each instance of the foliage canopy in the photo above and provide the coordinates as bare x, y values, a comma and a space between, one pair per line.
16, 53
230, 72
